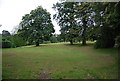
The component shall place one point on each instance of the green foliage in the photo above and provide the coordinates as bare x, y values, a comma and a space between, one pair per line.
17, 41
12, 40
95, 21
53, 39
36, 26
99, 44
105, 38
66, 20
74, 18
107, 20
46, 42
6, 44
6, 39
117, 42
5, 33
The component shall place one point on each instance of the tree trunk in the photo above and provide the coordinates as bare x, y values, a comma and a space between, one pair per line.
64, 39
84, 41
84, 32
71, 42
37, 43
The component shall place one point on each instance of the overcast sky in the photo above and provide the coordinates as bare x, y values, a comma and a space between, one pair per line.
11, 11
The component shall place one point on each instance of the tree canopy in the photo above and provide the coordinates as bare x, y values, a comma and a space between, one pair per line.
36, 26
87, 20
74, 19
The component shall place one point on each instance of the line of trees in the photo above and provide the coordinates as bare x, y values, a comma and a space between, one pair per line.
89, 21
79, 21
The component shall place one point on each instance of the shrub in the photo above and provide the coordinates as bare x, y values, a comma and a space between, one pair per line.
104, 43
46, 42
53, 39
117, 42
6, 44
17, 41
99, 44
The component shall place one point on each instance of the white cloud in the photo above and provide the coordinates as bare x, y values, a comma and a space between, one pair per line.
11, 11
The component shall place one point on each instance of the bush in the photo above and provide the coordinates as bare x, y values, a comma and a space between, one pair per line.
46, 42
53, 39
117, 42
98, 44
104, 43
17, 41
6, 44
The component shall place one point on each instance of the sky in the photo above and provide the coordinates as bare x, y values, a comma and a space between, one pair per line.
11, 12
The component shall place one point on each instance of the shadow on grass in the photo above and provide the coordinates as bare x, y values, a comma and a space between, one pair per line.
79, 44
61, 44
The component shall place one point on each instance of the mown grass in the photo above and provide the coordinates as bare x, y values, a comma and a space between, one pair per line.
59, 60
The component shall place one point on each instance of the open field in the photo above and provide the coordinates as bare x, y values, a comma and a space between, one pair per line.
59, 60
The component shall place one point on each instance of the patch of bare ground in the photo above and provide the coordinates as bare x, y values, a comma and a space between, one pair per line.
90, 76
44, 74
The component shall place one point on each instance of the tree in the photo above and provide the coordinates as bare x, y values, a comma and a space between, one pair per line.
65, 18
84, 15
36, 26
74, 19
5, 33
6, 36
107, 19
96, 21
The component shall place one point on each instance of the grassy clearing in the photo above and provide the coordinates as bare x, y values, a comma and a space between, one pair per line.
59, 60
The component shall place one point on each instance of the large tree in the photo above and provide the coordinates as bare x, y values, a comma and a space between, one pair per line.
74, 19
36, 26
65, 13
84, 16
97, 21
107, 21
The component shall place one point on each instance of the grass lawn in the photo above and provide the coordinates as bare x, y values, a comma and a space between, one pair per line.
59, 60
